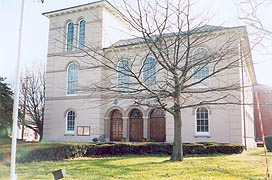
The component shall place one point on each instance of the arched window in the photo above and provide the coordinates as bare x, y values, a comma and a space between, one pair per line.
81, 33
149, 72
72, 79
124, 69
69, 36
201, 65
202, 121
70, 122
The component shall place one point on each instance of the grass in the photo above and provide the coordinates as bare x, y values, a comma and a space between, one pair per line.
249, 165
244, 166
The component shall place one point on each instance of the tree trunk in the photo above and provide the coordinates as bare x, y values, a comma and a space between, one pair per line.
177, 154
40, 128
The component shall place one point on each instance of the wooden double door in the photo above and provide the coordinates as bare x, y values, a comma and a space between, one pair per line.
116, 125
136, 126
157, 126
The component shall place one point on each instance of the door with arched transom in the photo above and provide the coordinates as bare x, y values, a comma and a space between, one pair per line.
116, 125
157, 125
136, 125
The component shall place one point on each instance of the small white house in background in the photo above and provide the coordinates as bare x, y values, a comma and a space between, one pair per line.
71, 115
29, 134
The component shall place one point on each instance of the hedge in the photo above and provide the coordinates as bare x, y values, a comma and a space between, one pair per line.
68, 151
268, 143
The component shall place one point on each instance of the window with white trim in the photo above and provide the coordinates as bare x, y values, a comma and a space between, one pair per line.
124, 68
70, 122
72, 79
202, 121
201, 67
81, 33
149, 72
69, 36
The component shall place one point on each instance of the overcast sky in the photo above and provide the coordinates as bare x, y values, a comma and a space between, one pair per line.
35, 32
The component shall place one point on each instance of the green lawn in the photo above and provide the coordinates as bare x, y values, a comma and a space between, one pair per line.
248, 165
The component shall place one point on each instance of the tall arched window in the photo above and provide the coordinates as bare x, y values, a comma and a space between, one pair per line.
81, 33
202, 121
69, 36
124, 69
201, 65
70, 122
72, 79
149, 72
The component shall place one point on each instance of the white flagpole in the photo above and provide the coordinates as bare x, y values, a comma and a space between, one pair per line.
13, 176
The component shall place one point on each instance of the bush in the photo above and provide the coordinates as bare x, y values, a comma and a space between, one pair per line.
3, 132
68, 151
268, 143
54, 153
95, 140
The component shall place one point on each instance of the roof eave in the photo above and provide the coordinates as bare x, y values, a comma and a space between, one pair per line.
73, 9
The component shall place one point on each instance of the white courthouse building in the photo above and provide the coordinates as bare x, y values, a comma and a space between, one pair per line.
72, 114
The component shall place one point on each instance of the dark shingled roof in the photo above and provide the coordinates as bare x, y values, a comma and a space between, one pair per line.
140, 40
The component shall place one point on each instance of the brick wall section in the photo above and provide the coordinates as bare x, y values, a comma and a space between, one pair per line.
265, 100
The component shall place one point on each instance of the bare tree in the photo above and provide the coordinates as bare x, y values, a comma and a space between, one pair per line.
179, 73
254, 14
32, 100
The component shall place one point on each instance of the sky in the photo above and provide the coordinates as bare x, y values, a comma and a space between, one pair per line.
35, 32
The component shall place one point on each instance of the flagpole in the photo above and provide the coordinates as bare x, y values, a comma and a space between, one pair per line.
16, 101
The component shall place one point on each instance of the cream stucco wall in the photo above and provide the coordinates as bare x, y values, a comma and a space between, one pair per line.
93, 109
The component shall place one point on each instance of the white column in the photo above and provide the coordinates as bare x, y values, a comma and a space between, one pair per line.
145, 133
125, 128
107, 129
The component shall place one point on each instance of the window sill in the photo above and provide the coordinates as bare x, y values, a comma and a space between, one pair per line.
69, 134
202, 135
71, 94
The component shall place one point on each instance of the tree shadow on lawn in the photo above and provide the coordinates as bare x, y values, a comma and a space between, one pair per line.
259, 153
205, 155
124, 164
117, 166
112, 162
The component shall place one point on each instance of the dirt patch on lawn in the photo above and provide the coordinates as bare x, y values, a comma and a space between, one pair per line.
5, 159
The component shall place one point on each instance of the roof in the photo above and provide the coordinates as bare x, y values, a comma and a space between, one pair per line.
140, 40
69, 10
262, 88
49, 13
96, 4
202, 29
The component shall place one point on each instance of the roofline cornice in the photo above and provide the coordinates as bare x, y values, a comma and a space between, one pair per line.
73, 9
98, 4
248, 56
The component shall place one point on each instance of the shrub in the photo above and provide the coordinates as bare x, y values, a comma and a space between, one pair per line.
3, 132
95, 140
224, 149
54, 153
193, 148
68, 151
268, 143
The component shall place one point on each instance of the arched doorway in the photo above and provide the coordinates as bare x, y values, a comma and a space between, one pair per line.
116, 125
136, 125
157, 125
